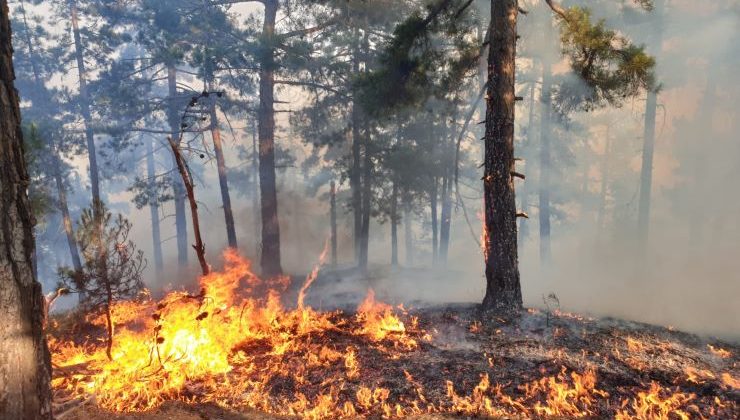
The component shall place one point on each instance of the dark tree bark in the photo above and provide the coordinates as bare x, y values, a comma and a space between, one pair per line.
503, 290
154, 209
85, 104
333, 222
222, 180
25, 365
394, 225
173, 118
545, 162
270, 259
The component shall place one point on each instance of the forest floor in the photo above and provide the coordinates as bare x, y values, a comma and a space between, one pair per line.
544, 363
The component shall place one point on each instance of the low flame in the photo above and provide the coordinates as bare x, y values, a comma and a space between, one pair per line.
235, 344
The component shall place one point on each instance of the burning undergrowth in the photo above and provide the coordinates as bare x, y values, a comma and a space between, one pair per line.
236, 346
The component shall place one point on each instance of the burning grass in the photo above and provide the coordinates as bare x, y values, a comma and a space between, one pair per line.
235, 347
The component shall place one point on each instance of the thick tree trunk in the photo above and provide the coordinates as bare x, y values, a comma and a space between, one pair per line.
85, 105
407, 231
394, 225
367, 173
648, 148
222, 180
503, 290
333, 222
173, 118
545, 162
151, 174
270, 259
25, 366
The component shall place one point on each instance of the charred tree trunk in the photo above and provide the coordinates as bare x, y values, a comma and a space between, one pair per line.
648, 148
85, 105
394, 225
25, 365
154, 209
200, 248
333, 222
408, 233
545, 162
181, 224
503, 290
222, 180
270, 259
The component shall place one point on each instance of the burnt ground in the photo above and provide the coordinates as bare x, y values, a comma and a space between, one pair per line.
697, 376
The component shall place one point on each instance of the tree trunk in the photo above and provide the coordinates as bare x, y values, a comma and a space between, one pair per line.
66, 218
648, 148
270, 259
407, 234
545, 162
85, 105
200, 248
604, 180
356, 170
151, 174
255, 191
173, 117
446, 222
524, 196
435, 224
394, 225
25, 365
333, 222
367, 172
222, 181
503, 290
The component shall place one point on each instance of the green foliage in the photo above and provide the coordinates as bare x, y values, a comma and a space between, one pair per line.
611, 68
112, 265
36, 154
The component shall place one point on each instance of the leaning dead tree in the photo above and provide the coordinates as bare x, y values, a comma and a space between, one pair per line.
192, 113
187, 179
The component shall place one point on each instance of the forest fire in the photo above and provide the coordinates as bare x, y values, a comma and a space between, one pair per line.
236, 345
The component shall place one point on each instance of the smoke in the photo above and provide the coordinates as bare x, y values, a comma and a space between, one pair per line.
689, 275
